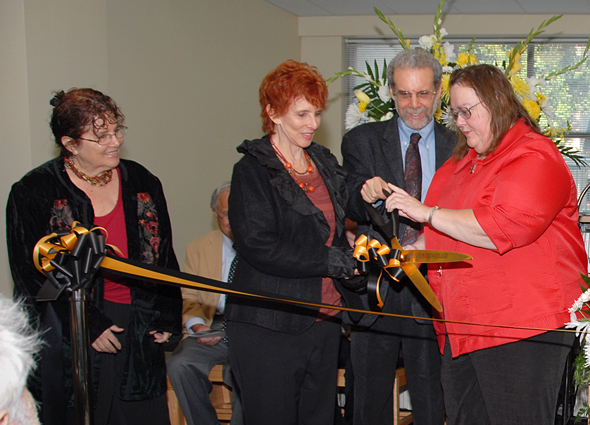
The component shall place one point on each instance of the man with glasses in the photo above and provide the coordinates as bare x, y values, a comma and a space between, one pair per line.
404, 151
210, 256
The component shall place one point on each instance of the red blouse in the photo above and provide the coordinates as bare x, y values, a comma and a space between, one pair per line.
321, 199
524, 198
114, 223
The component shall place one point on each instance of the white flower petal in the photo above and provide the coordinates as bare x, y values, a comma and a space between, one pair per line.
384, 94
534, 82
449, 51
354, 117
426, 42
387, 116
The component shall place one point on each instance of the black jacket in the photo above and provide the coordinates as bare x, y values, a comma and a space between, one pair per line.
372, 150
44, 201
280, 237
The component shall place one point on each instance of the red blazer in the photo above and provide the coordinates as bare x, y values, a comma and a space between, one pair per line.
524, 198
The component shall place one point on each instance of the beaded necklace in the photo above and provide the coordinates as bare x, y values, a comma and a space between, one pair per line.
307, 187
101, 179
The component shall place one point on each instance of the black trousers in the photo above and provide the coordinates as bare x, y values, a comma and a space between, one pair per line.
375, 352
516, 383
283, 378
110, 409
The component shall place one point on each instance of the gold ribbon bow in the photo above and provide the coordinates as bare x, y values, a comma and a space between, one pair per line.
395, 261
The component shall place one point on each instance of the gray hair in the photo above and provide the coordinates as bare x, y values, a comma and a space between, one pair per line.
19, 343
223, 187
415, 58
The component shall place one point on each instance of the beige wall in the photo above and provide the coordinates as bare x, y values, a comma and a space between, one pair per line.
322, 44
185, 73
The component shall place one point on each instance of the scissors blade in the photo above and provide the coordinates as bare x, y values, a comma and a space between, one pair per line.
416, 277
432, 256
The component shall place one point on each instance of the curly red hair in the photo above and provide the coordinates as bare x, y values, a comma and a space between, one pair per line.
286, 84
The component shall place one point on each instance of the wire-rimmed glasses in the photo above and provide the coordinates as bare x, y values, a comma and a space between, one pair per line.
462, 112
105, 139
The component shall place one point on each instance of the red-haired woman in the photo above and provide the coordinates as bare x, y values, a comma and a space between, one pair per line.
286, 209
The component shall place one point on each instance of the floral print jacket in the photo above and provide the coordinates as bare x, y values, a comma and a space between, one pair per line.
44, 201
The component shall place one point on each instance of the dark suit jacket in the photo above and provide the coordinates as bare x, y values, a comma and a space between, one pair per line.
372, 150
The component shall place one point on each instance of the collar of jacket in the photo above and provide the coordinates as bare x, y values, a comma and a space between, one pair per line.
332, 173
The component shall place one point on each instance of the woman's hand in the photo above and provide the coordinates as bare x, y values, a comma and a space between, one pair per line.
458, 224
161, 337
107, 342
407, 205
419, 244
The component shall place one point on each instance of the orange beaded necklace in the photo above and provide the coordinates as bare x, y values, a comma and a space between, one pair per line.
307, 187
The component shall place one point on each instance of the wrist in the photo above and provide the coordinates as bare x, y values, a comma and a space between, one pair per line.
432, 211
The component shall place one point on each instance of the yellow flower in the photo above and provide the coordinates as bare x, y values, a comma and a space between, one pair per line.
363, 99
408, 43
532, 108
462, 59
465, 58
516, 66
438, 114
445, 87
362, 96
521, 87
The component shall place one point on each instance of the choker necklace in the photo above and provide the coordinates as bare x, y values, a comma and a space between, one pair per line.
307, 187
101, 179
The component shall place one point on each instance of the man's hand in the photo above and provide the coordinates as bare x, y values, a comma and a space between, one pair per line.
372, 190
205, 341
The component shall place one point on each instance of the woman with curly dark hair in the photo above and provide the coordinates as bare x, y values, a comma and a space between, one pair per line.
128, 320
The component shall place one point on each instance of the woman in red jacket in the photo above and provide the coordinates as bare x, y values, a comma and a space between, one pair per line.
508, 199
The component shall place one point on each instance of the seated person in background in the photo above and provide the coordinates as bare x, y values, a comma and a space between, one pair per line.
18, 345
209, 256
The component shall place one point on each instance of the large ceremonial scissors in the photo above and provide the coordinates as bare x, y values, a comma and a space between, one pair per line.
396, 261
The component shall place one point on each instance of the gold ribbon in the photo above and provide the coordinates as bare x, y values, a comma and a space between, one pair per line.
51, 245
402, 261
48, 247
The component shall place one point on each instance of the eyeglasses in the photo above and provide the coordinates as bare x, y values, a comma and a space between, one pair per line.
464, 113
105, 139
421, 95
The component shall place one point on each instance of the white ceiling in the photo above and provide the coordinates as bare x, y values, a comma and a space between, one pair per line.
428, 7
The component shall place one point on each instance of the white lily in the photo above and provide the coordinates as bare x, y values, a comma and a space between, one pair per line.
387, 116
384, 94
449, 51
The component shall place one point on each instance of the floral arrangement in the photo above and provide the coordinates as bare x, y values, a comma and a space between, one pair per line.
375, 103
580, 321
